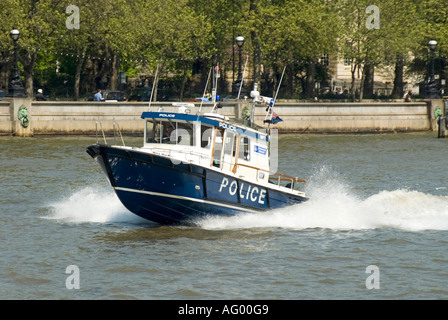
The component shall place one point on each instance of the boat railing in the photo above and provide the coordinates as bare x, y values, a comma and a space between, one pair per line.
98, 123
116, 129
117, 132
170, 153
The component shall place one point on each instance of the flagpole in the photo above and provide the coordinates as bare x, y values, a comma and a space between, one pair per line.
275, 98
280, 83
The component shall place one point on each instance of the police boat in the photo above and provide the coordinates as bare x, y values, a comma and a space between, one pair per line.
193, 165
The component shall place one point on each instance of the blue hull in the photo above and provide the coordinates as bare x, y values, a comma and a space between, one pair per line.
155, 188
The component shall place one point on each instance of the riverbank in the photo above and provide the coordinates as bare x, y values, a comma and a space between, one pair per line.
59, 117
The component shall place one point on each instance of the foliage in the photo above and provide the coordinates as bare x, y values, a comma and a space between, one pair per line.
135, 36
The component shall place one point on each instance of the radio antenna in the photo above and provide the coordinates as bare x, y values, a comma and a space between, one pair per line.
241, 84
205, 89
269, 111
153, 85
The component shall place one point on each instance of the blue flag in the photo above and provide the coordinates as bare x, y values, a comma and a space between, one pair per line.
275, 118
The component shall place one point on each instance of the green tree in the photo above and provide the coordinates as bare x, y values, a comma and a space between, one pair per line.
174, 36
400, 35
356, 42
291, 32
41, 25
433, 25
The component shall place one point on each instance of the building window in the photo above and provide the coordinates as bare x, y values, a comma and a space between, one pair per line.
324, 60
347, 62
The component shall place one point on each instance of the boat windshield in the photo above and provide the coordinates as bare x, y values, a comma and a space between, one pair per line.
169, 132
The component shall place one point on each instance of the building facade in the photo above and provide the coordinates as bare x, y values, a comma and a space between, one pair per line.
340, 71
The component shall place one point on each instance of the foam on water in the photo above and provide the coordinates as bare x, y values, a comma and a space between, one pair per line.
332, 205
91, 204
401, 209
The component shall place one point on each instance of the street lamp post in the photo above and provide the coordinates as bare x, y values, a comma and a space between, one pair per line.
431, 87
240, 41
237, 84
16, 88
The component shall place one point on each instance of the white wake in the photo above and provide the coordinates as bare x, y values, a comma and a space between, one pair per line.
332, 205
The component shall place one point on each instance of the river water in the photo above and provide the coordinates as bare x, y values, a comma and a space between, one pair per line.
376, 227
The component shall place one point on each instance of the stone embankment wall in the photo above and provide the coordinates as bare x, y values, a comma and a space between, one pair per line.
57, 117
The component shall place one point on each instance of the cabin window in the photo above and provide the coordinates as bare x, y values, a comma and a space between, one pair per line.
244, 150
229, 145
168, 129
184, 134
152, 131
217, 147
169, 132
206, 136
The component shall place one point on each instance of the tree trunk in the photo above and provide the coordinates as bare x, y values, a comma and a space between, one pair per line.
398, 89
29, 87
184, 81
4, 75
115, 71
361, 86
310, 78
445, 90
257, 47
353, 85
79, 66
368, 81
28, 68
257, 58
290, 83
276, 80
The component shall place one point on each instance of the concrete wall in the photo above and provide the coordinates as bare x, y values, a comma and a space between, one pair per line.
5, 118
50, 117
353, 117
82, 117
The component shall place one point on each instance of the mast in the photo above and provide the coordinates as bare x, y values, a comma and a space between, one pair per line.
153, 85
241, 84
270, 102
271, 105
205, 89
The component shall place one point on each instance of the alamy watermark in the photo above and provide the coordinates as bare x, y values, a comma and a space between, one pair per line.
73, 280
373, 20
259, 143
72, 21
373, 280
